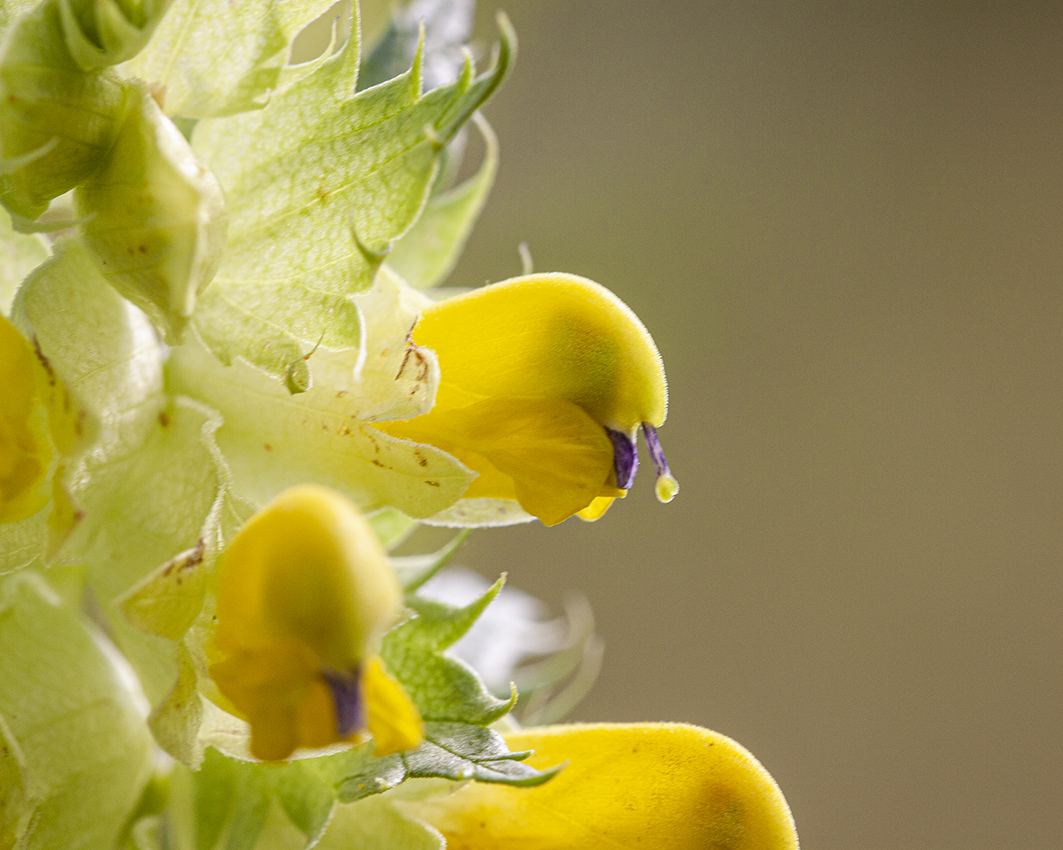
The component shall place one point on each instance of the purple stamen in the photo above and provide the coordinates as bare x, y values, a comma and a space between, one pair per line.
653, 442
667, 486
347, 697
625, 458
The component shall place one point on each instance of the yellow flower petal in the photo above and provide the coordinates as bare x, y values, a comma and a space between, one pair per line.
660, 786
304, 593
548, 454
307, 569
548, 336
596, 509
391, 717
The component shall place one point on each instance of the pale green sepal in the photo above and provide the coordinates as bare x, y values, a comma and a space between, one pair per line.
414, 570
155, 218
101, 33
391, 526
57, 123
480, 513
426, 254
15, 807
376, 824
318, 184
72, 706
211, 59
19, 255
11, 9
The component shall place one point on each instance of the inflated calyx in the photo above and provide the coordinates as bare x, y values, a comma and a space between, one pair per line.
304, 593
545, 382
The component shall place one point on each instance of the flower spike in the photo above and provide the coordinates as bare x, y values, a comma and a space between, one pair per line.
545, 381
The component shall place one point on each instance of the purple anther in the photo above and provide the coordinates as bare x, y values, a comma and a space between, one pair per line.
346, 694
625, 458
653, 442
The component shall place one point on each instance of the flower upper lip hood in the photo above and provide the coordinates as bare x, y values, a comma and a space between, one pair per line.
545, 381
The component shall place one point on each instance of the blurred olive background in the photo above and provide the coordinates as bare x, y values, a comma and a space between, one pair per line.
842, 223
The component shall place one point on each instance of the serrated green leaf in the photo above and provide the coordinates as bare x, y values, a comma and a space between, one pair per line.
316, 183
442, 688
415, 570
447, 26
154, 218
66, 700
455, 751
213, 59
426, 254
19, 255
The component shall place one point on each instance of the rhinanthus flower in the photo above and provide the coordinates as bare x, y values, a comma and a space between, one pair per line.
668, 786
25, 451
304, 593
545, 382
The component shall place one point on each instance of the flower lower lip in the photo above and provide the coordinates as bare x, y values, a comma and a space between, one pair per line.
346, 690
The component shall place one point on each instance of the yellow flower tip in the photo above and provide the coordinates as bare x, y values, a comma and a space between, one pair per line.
304, 593
25, 448
545, 382
666, 786
391, 717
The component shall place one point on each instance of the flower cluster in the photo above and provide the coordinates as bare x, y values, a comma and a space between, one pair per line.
229, 388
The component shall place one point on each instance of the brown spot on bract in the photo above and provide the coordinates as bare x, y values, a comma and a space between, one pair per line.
164, 419
267, 447
431, 483
376, 462
421, 459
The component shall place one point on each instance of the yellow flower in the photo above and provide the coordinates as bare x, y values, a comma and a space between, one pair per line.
304, 593
545, 382
668, 786
25, 450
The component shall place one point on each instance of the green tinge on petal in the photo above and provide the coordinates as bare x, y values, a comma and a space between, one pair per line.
549, 336
25, 450
665, 786
547, 454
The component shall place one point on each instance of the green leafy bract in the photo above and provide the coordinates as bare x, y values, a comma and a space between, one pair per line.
428, 252
212, 59
318, 184
443, 688
456, 751
67, 702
